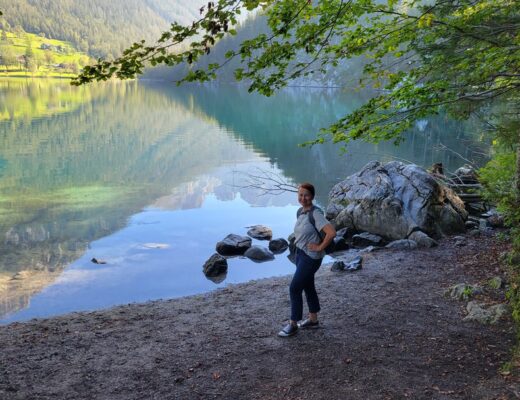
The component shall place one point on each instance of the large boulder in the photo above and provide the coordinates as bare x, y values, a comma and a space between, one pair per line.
394, 200
233, 245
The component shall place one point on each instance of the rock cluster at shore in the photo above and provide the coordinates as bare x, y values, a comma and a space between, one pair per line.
394, 205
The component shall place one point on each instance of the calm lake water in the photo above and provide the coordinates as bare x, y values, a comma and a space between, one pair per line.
148, 177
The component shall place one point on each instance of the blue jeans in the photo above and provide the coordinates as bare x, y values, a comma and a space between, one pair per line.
303, 281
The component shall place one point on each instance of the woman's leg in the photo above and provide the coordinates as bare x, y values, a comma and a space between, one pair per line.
303, 279
311, 295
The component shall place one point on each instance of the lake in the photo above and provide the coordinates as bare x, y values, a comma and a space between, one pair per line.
148, 177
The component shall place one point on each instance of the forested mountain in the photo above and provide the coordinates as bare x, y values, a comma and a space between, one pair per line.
346, 74
99, 27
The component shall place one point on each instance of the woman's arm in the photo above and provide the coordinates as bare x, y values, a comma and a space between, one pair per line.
330, 234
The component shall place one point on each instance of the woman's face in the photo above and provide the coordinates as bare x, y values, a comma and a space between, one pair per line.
305, 197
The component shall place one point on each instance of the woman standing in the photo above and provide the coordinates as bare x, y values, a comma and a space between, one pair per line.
310, 250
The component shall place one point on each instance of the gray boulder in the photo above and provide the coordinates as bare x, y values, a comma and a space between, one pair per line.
260, 232
395, 199
216, 265
278, 246
259, 254
233, 245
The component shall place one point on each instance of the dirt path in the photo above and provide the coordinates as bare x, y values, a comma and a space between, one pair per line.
387, 332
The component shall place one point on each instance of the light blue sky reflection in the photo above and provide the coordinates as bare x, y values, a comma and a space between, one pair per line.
159, 255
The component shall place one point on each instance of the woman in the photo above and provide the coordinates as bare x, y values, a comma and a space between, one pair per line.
309, 255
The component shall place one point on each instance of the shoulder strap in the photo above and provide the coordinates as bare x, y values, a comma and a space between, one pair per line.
299, 212
310, 215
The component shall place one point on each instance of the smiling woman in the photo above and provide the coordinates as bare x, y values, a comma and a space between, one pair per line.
310, 250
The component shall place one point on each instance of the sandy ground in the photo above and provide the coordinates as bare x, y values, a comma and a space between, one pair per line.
388, 332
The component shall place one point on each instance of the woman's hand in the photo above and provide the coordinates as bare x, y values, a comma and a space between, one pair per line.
314, 247
330, 233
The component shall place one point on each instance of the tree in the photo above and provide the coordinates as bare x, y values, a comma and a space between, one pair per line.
455, 55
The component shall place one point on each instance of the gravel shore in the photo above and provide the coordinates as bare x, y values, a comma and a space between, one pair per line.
387, 332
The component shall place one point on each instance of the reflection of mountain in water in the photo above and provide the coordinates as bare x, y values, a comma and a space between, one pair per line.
274, 126
68, 179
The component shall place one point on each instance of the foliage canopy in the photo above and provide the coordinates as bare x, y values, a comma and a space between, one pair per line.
460, 55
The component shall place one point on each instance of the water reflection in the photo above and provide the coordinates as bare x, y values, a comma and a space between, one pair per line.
75, 169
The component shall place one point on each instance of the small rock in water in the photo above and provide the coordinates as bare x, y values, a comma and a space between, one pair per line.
259, 254
260, 232
278, 246
98, 261
233, 245
215, 266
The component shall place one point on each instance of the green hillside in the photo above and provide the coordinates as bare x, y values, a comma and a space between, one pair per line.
27, 54
98, 27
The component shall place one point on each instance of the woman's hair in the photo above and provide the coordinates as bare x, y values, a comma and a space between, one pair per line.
308, 186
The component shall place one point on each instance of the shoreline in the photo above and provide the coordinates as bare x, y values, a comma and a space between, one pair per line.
388, 331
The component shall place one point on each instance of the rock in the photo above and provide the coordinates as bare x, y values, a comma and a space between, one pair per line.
233, 245
260, 232
459, 241
474, 232
278, 246
475, 208
338, 266
370, 249
354, 264
346, 233
496, 283
490, 315
422, 239
367, 239
215, 265
259, 254
394, 199
496, 221
465, 174
471, 225
340, 244
402, 244
343, 219
463, 291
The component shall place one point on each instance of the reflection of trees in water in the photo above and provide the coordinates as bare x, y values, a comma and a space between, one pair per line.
69, 179
274, 126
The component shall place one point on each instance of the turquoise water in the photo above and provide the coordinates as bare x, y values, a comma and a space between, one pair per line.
148, 177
